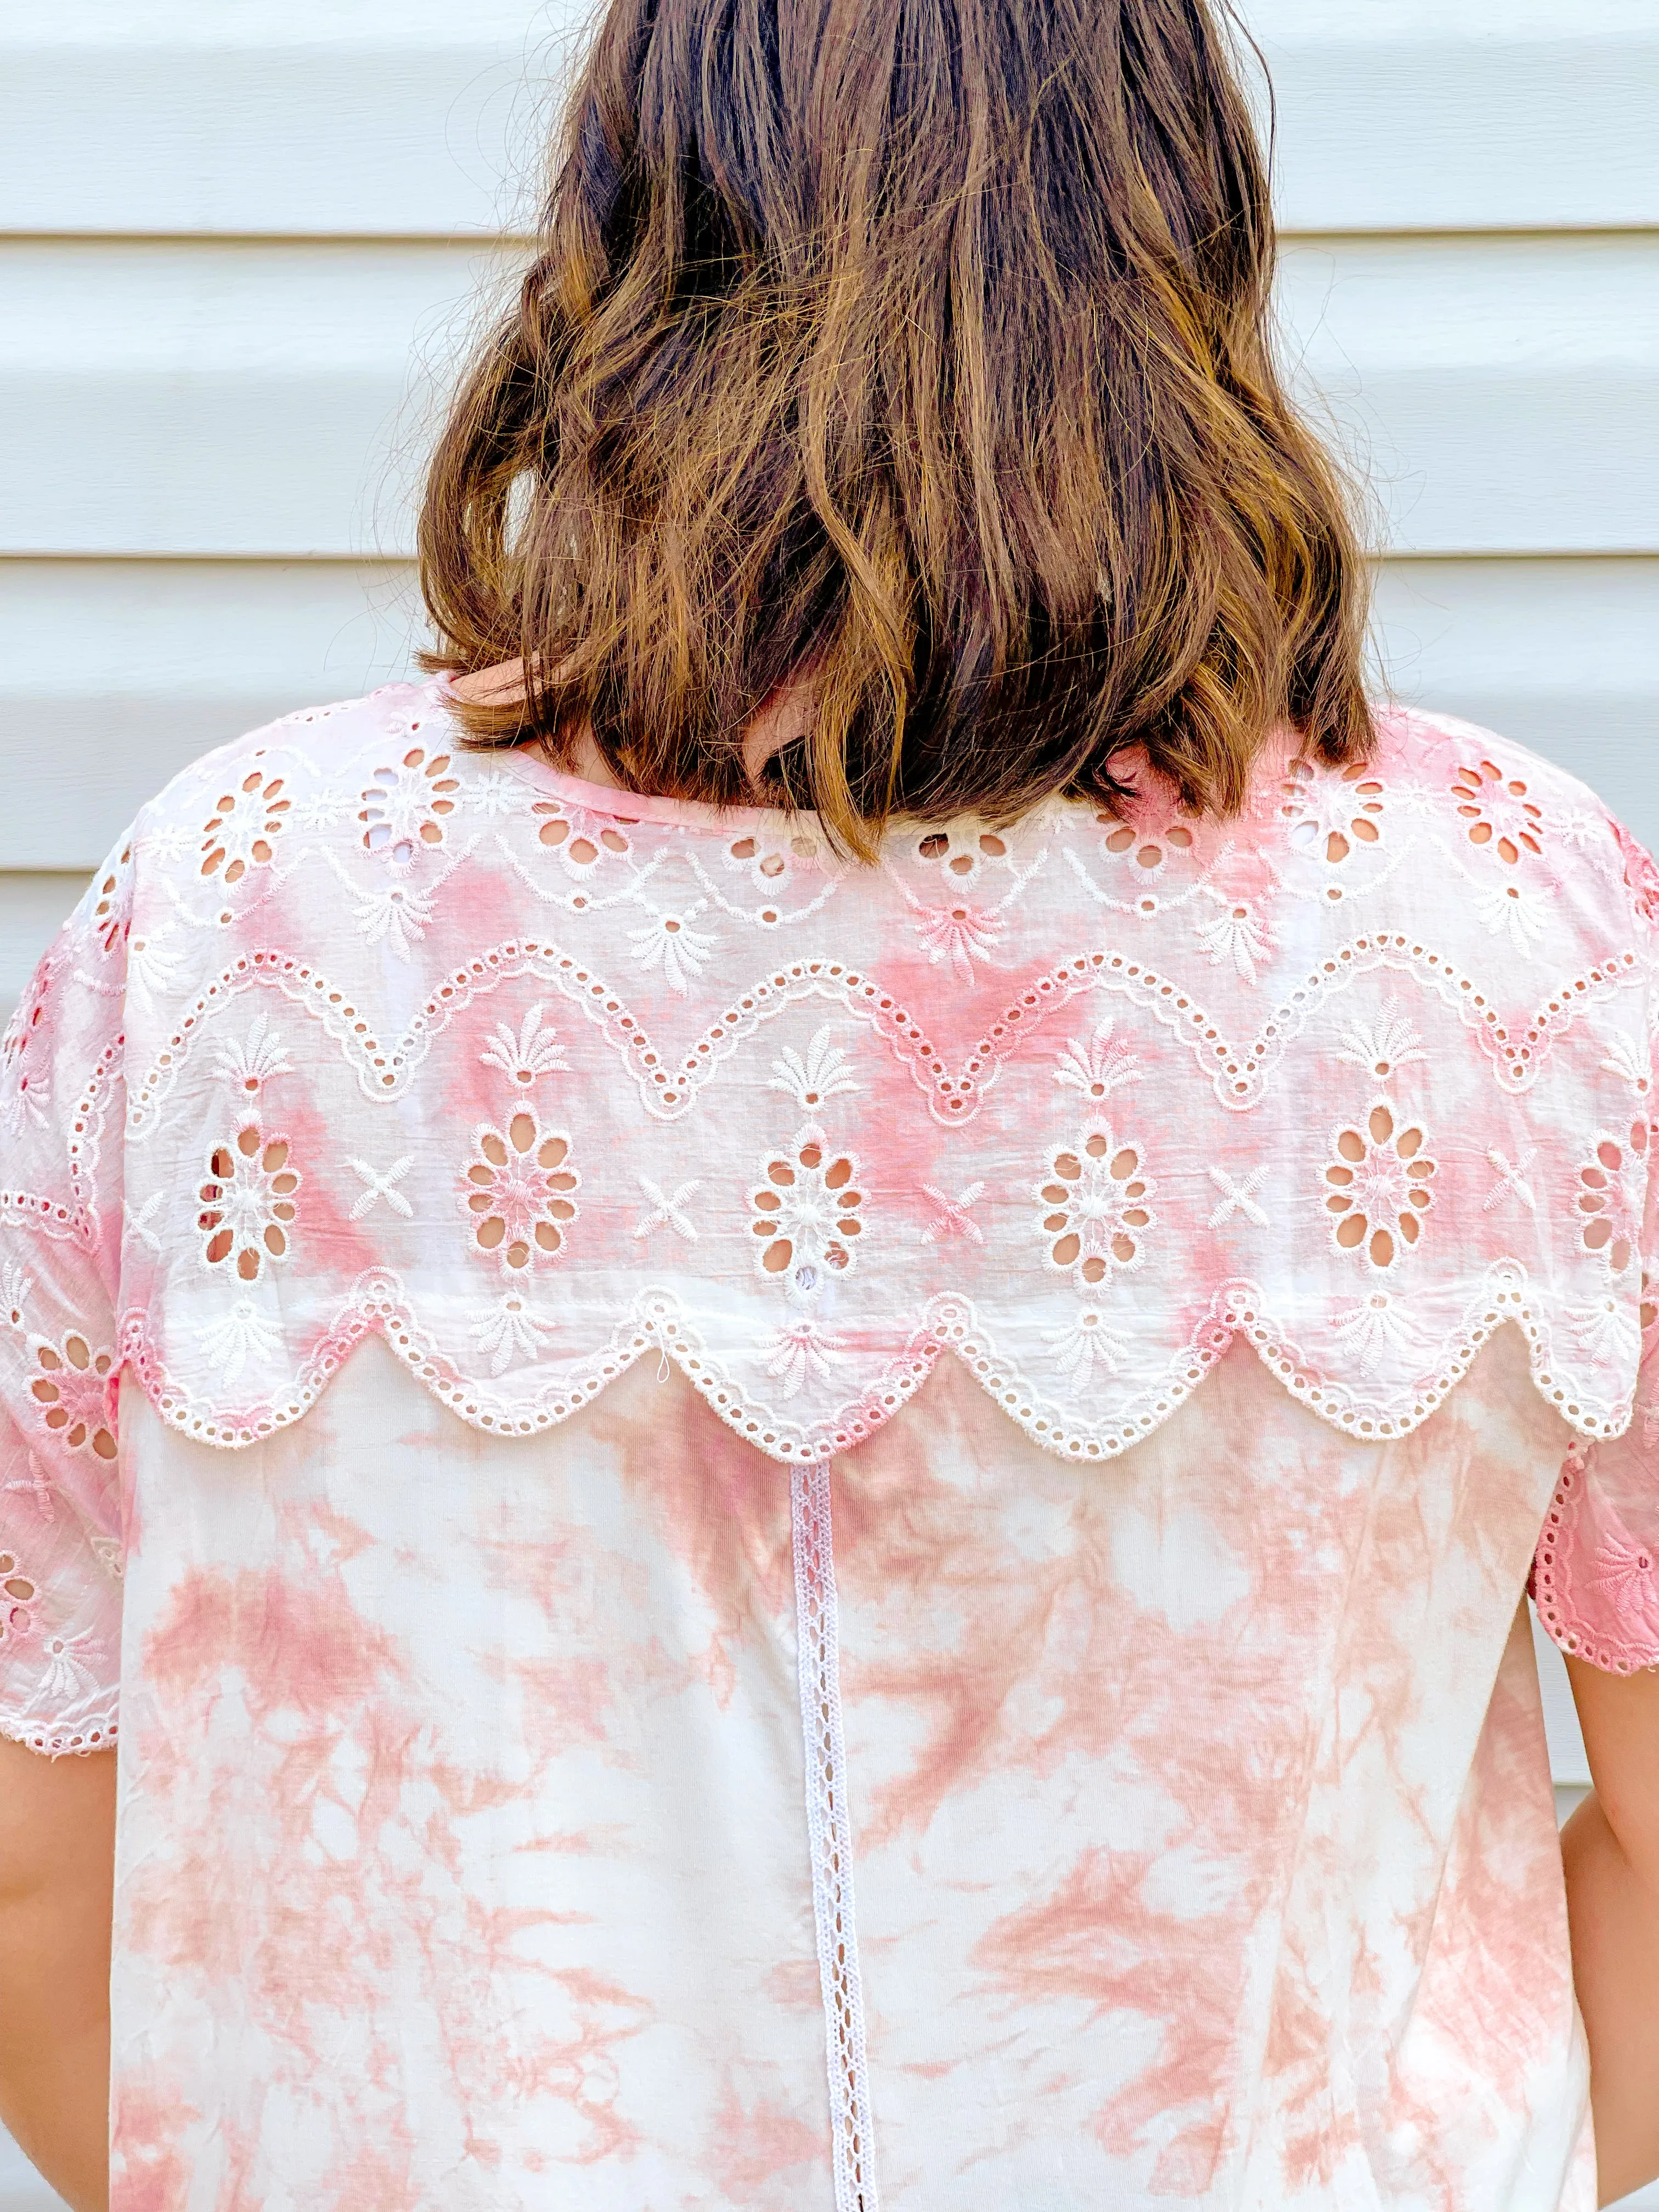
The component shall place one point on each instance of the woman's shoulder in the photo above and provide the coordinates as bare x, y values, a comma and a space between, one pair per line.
332, 769
1445, 825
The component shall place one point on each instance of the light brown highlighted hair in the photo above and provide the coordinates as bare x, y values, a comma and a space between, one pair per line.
915, 351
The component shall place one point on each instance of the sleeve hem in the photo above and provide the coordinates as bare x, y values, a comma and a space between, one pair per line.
89, 1730
1568, 1554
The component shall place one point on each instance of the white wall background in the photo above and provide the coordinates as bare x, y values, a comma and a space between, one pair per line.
239, 245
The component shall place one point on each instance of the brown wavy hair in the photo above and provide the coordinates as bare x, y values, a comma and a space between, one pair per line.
916, 352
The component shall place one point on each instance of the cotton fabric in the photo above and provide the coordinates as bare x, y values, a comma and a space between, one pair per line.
771, 1532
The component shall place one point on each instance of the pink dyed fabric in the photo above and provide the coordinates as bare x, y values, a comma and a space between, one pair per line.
776, 1535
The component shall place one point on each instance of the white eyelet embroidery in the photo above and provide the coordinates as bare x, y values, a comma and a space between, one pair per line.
519, 1190
247, 1064
1377, 1187
241, 832
406, 804
388, 986
1331, 814
1096, 1207
247, 1203
808, 1215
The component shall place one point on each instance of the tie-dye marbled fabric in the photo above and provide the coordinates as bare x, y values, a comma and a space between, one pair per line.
784, 1535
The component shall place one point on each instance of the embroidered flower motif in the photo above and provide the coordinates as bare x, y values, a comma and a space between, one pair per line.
1606, 1330
801, 1352
1095, 1066
823, 1073
1384, 1046
112, 912
511, 1330
18, 1593
1496, 811
1609, 1199
1238, 935
68, 1677
406, 805
1508, 907
960, 852
28, 1086
247, 1202
519, 1190
398, 917
524, 1059
807, 1213
247, 1064
669, 942
243, 1333
579, 838
14, 1288
71, 1388
1629, 1573
1631, 1062
107, 1550
320, 810
1329, 811
1095, 1206
1378, 1325
493, 795
1378, 1187
244, 823
152, 967
960, 935
1086, 1344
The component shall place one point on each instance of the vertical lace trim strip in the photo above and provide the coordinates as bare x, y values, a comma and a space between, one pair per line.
831, 1843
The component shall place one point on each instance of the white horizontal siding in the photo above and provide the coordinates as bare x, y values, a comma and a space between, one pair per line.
319, 119
179, 397
114, 673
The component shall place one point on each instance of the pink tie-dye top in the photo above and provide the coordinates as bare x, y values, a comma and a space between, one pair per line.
782, 1534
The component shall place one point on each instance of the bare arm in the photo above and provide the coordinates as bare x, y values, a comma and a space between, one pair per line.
57, 1868
1611, 1849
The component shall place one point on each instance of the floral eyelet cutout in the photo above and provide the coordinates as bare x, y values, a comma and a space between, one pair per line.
18, 1593
408, 804
1097, 1207
1329, 814
71, 1392
1501, 816
807, 1215
1609, 1198
1379, 1187
519, 1190
247, 1203
242, 830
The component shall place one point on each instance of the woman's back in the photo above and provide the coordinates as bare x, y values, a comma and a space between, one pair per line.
908, 1478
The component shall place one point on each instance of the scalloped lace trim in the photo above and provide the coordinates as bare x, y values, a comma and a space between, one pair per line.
96, 1731
830, 1832
658, 1321
1623, 1572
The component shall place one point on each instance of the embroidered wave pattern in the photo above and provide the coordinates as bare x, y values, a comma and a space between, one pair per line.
362, 1031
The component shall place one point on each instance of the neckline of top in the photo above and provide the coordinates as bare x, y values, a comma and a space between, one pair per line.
624, 807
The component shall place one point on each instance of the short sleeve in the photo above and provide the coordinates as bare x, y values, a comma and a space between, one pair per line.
1595, 1577
61, 1117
